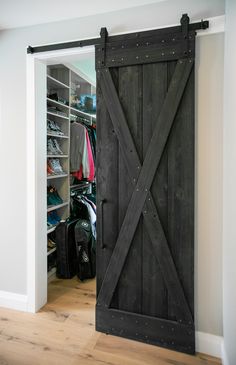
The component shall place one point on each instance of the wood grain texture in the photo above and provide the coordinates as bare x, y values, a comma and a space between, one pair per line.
107, 180
140, 193
154, 92
63, 333
131, 276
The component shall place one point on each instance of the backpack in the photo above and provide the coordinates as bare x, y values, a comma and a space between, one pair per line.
86, 251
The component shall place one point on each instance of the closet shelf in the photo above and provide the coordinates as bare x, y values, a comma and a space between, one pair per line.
56, 135
58, 115
56, 83
56, 176
52, 272
57, 156
52, 229
51, 251
57, 103
58, 206
80, 112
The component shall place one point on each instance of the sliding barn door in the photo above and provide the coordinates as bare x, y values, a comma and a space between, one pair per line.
145, 187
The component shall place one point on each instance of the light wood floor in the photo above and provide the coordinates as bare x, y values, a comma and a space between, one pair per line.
62, 333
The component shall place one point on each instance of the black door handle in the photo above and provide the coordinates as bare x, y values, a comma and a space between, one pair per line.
101, 212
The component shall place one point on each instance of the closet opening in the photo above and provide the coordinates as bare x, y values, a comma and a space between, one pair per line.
71, 173
64, 84
71, 176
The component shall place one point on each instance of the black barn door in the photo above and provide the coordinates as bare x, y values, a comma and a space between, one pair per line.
145, 186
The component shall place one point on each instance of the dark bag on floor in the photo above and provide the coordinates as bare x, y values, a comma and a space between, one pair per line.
86, 252
66, 249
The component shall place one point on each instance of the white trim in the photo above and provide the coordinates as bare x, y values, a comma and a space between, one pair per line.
13, 301
209, 344
224, 356
31, 183
36, 268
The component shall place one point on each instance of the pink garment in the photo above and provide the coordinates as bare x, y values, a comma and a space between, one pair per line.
78, 174
90, 163
90, 159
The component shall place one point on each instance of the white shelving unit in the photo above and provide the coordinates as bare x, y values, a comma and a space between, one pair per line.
51, 251
56, 135
57, 115
67, 86
58, 84
50, 177
52, 229
54, 207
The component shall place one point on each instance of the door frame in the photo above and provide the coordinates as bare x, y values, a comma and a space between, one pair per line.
36, 157
36, 173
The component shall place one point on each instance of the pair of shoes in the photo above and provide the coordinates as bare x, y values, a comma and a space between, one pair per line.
56, 110
51, 244
53, 198
53, 218
49, 170
56, 97
53, 127
53, 147
54, 167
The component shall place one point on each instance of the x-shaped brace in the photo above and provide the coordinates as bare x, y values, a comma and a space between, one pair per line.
142, 177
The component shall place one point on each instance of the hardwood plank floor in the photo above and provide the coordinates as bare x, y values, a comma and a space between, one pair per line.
62, 333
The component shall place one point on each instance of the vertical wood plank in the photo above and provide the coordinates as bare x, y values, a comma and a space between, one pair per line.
154, 92
107, 186
181, 192
130, 284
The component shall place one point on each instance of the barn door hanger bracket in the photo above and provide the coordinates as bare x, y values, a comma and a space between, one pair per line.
104, 35
184, 21
186, 28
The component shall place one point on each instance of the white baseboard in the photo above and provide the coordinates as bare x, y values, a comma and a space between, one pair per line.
13, 301
209, 344
224, 357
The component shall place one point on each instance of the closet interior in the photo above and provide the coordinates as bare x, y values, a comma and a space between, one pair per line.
71, 175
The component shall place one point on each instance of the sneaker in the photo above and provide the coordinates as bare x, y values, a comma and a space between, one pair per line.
57, 147
49, 170
51, 244
56, 166
53, 196
50, 126
57, 129
51, 149
50, 220
56, 216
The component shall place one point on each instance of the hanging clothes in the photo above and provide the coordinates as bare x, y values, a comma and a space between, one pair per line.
81, 154
77, 146
90, 159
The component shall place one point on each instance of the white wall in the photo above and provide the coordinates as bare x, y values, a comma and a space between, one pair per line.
229, 213
209, 154
13, 45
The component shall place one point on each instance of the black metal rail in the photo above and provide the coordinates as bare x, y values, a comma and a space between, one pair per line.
110, 39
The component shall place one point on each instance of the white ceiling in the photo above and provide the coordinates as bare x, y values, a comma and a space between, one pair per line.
20, 13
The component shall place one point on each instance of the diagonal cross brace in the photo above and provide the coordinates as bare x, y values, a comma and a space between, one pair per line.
141, 193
